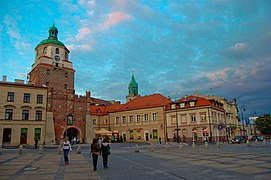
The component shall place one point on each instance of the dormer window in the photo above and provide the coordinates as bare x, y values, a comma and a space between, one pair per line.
173, 106
192, 104
57, 51
182, 105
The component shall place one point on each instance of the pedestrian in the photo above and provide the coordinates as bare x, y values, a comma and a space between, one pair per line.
105, 148
36, 143
95, 151
66, 148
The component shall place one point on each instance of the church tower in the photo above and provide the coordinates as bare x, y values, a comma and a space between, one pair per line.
132, 89
52, 67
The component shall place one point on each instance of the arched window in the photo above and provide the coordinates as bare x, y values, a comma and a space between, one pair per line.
57, 51
44, 50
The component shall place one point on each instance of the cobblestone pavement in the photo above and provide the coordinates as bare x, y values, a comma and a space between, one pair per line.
166, 161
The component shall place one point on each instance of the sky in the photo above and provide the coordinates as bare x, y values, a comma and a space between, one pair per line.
174, 47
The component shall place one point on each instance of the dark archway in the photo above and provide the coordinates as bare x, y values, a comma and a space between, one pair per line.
71, 133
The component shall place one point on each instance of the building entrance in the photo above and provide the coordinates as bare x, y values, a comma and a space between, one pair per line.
7, 136
72, 133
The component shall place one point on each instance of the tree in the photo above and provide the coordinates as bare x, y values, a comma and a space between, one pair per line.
263, 124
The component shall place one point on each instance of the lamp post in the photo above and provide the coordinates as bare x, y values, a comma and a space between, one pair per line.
177, 124
243, 108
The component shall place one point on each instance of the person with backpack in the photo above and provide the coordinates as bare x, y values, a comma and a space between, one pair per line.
105, 149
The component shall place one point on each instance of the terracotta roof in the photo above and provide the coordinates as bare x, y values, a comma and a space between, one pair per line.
100, 101
143, 102
199, 102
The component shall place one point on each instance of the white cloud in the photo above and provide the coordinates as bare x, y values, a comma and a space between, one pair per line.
83, 32
239, 46
114, 19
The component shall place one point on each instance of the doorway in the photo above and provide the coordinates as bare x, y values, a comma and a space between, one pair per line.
147, 136
71, 133
23, 136
7, 136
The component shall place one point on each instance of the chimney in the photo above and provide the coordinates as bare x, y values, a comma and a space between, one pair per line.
5, 78
19, 81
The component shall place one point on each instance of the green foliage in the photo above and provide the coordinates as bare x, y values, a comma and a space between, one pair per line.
263, 124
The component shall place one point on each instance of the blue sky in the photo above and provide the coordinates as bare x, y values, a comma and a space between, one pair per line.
217, 47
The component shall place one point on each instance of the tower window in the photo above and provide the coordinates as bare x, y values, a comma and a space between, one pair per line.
48, 71
57, 51
65, 86
56, 64
66, 55
47, 83
66, 74
44, 50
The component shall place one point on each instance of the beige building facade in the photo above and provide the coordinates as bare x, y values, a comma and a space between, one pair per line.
23, 113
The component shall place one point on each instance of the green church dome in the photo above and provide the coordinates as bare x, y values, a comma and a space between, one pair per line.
52, 39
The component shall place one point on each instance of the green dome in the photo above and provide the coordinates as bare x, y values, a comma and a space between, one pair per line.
52, 39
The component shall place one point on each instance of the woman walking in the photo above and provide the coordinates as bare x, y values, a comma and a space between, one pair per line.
105, 148
66, 148
95, 151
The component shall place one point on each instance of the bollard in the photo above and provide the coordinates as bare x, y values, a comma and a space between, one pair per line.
256, 141
59, 149
218, 144
181, 146
248, 143
40, 149
166, 146
206, 145
136, 148
20, 149
193, 145
152, 147
79, 150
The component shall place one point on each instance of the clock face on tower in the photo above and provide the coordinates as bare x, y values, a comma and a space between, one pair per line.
57, 58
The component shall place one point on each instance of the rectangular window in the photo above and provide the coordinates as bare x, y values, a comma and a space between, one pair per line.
137, 118
10, 97
192, 104
154, 116
26, 97
25, 115
193, 118
66, 75
123, 119
65, 86
173, 106
183, 118
146, 117
70, 120
105, 121
182, 105
131, 119
9, 113
39, 99
94, 122
117, 120
38, 115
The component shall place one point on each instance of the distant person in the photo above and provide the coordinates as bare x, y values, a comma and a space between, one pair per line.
105, 149
66, 148
36, 143
95, 151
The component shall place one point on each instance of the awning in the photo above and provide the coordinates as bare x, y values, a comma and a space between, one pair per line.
103, 132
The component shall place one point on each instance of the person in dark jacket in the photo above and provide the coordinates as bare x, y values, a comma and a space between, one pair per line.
105, 148
95, 151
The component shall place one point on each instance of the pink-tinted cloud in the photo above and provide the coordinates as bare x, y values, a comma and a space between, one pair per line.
83, 32
115, 18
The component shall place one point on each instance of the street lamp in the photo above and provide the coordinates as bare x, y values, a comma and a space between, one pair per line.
243, 108
177, 124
